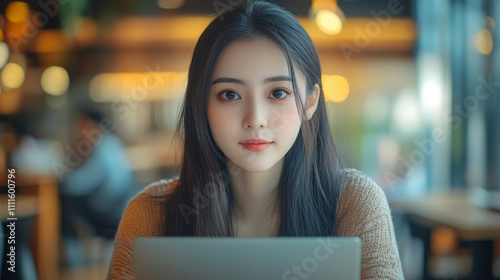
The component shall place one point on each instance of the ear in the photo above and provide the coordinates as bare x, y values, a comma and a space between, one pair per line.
312, 102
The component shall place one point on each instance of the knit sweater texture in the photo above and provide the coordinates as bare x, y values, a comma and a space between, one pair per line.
363, 211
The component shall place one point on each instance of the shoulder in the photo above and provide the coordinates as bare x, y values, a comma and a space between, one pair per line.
145, 212
154, 192
364, 212
160, 188
362, 198
144, 216
361, 186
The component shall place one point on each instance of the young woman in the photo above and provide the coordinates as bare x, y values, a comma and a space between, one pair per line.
259, 157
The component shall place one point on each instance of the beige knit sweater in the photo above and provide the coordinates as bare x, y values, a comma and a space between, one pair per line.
363, 212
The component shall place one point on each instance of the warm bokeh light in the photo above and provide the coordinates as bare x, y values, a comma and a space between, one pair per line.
52, 40
4, 54
170, 4
142, 86
1, 35
484, 41
399, 34
9, 102
443, 240
336, 88
12, 75
87, 31
329, 22
20, 31
55, 80
17, 11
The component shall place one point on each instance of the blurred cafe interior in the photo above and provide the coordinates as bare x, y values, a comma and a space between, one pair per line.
412, 91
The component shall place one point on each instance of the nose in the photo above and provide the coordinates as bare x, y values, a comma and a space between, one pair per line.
254, 116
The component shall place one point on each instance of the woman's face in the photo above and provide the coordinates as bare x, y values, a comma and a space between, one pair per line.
251, 97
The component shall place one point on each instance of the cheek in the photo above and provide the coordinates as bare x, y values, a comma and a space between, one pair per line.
285, 118
219, 120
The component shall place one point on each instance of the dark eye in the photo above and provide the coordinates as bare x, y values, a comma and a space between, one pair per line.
229, 95
279, 94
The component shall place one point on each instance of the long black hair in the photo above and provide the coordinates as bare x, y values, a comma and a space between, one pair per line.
312, 178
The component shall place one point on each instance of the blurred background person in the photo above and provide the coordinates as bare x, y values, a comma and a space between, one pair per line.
97, 190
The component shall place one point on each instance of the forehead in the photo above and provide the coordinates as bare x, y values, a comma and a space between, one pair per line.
252, 58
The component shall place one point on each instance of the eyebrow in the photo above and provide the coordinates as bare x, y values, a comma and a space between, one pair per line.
241, 82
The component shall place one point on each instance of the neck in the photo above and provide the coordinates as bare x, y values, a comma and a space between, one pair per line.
254, 193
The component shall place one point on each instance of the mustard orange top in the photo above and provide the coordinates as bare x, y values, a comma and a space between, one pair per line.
363, 211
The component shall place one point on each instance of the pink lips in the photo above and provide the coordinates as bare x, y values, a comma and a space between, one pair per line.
255, 144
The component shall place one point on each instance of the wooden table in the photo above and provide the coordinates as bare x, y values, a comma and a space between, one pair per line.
477, 228
39, 193
25, 213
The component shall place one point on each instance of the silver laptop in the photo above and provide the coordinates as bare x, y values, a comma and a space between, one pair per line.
229, 258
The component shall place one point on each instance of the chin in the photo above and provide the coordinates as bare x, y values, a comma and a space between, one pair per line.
254, 166
257, 169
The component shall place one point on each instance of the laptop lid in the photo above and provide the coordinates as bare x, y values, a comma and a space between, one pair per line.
220, 258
